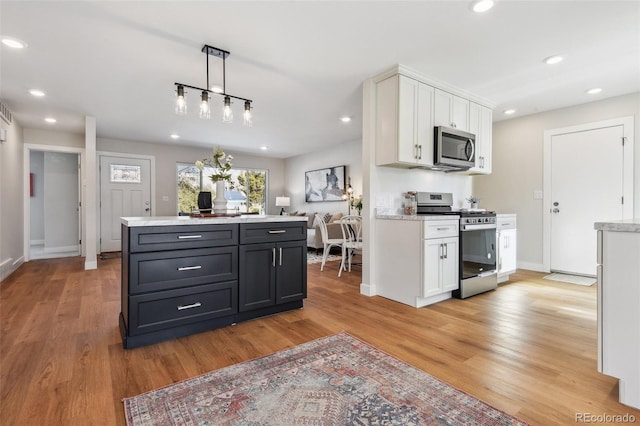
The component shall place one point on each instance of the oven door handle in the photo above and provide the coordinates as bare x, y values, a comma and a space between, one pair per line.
464, 228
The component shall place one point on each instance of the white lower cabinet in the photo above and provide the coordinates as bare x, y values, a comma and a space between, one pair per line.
507, 246
440, 266
416, 259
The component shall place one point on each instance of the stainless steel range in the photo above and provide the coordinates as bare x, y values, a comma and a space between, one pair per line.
477, 242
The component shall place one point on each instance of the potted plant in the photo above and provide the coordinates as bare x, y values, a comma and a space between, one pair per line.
221, 164
473, 202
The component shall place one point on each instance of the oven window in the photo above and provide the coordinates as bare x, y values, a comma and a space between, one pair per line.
478, 252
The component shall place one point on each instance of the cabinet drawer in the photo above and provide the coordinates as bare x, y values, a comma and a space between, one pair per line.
181, 268
252, 233
172, 308
506, 223
157, 238
440, 229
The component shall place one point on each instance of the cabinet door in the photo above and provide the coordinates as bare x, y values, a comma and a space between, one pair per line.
257, 276
407, 144
480, 124
433, 252
449, 273
424, 128
291, 271
451, 111
508, 251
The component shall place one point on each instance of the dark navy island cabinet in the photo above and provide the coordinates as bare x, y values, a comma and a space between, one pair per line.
184, 279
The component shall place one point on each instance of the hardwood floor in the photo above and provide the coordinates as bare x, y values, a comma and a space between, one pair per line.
528, 348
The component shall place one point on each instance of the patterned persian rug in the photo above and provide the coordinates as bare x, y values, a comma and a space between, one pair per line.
317, 258
336, 380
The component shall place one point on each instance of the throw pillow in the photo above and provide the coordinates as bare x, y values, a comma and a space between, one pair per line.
327, 217
336, 217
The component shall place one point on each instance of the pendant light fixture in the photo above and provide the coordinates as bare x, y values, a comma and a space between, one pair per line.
205, 98
181, 103
246, 116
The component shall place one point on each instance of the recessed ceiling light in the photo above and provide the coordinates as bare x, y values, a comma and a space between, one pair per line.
509, 111
480, 6
552, 60
50, 120
594, 91
264, 148
345, 119
216, 89
175, 136
37, 93
14, 43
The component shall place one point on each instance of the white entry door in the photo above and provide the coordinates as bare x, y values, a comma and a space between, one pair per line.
125, 191
587, 186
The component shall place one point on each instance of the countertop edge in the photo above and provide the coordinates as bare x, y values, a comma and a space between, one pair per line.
627, 225
419, 218
187, 220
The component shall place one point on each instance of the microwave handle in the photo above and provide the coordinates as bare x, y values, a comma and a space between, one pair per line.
469, 142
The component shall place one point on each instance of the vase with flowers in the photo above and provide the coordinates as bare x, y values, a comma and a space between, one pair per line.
356, 203
473, 202
221, 164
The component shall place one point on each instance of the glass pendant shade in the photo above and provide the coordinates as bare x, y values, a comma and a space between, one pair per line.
205, 111
247, 119
227, 112
181, 103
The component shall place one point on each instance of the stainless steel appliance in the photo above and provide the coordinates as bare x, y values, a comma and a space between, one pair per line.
454, 149
477, 257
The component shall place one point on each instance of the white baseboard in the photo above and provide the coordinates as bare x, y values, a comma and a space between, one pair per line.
9, 266
62, 249
36, 242
530, 266
90, 264
368, 290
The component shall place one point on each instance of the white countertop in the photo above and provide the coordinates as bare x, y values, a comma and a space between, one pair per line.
627, 225
418, 217
186, 220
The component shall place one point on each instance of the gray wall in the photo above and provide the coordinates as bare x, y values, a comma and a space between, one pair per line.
166, 157
518, 166
36, 207
60, 202
346, 154
11, 200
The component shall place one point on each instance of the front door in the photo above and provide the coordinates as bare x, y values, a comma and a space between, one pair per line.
125, 191
587, 177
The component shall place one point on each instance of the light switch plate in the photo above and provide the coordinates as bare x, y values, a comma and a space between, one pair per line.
537, 195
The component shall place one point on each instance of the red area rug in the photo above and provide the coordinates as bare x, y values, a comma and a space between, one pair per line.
336, 380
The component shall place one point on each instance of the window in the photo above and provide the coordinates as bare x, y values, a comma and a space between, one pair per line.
247, 191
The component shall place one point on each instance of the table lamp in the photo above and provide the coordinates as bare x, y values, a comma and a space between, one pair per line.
283, 202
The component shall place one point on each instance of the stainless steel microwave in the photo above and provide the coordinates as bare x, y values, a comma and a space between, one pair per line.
454, 149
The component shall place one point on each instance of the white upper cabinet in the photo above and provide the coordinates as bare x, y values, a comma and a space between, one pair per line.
481, 124
404, 122
451, 111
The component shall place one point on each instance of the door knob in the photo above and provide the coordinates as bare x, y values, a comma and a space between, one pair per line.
556, 204
556, 210
147, 209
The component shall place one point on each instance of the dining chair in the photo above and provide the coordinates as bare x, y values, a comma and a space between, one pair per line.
327, 242
352, 239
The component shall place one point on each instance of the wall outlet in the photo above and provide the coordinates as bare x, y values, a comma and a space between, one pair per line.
165, 198
538, 195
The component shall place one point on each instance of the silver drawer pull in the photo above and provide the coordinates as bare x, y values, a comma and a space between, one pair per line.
193, 305
188, 237
189, 268
279, 231
442, 229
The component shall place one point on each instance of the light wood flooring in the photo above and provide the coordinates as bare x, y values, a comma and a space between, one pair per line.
528, 348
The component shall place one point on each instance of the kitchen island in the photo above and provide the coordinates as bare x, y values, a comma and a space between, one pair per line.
619, 305
183, 275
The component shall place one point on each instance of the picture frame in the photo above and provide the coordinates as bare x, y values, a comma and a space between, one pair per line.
324, 185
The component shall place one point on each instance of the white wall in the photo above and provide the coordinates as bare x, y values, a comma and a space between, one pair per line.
166, 157
11, 204
518, 166
60, 202
36, 201
347, 154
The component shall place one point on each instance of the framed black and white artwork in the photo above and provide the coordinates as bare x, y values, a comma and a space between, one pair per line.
324, 184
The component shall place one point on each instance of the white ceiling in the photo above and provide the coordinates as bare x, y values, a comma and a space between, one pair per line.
302, 63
